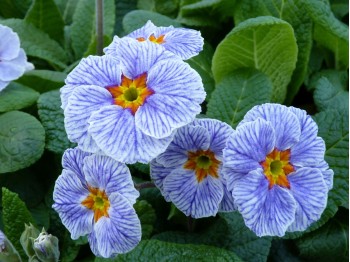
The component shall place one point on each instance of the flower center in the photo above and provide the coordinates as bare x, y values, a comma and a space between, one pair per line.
276, 168
152, 38
204, 163
98, 202
132, 93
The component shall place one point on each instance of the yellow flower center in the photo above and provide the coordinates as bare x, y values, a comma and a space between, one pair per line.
204, 163
132, 93
152, 38
276, 168
98, 202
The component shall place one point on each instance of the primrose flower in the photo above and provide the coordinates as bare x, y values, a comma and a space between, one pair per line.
189, 173
129, 107
13, 60
183, 42
274, 165
94, 196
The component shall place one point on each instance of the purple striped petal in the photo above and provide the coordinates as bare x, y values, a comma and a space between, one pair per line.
227, 204
13, 69
310, 193
146, 31
9, 44
158, 173
68, 195
193, 198
327, 173
93, 243
106, 173
266, 212
308, 152
73, 160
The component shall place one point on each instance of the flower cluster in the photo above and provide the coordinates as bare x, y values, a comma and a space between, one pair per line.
13, 60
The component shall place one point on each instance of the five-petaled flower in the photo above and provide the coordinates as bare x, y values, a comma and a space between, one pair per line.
183, 42
94, 196
129, 105
13, 60
189, 173
274, 166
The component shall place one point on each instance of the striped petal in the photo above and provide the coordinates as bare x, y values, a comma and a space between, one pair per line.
266, 212
120, 232
146, 31
327, 173
114, 131
9, 44
187, 138
68, 194
73, 160
284, 122
192, 198
310, 193
227, 204
158, 173
110, 175
82, 103
308, 152
13, 69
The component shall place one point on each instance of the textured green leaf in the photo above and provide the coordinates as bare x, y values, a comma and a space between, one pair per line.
14, 8
283, 250
45, 15
138, 18
69, 11
122, 8
168, 8
340, 8
237, 93
83, 28
43, 80
329, 31
37, 43
154, 250
264, 43
293, 12
52, 118
16, 96
329, 96
338, 79
147, 216
229, 232
15, 214
22, 141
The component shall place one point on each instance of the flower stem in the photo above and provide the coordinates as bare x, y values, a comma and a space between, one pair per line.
190, 224
99, 27
144, 185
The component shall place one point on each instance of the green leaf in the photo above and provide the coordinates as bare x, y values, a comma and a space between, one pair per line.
228, 232
168, 8
147, 217
340, 8
16, 96
69, 11
293, 12
83, 28
43, 80
202, 64
122, 8
154, 250
329, 31
45, 15
237, 93
264, 43
15, 215
328, 96
37, 43
138, 18
52, 118
22, 141
14, 8
283, 250
338, 79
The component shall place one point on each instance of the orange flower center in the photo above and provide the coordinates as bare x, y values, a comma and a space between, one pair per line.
98, 202
132, 93
276, 168
204, 163
152, 38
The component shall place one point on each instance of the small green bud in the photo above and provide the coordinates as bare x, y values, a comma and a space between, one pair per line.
7, 251
46, 247
28, 234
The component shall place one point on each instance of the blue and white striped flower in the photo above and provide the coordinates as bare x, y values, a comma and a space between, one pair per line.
13, 60
189, 173
183, 42
94, 196
274, 166
129, 105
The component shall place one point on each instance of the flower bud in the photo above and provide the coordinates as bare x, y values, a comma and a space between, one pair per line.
46, 247
7, 251
28, 234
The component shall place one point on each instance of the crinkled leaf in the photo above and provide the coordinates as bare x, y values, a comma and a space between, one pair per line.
168, 8
229, 232
14, 8
147, 217
51, 116
122, 8
16, 96
43, 80
340, 8
37, 43
283, 250
15, 214
22, 141
293, 12
264, 43
155, 250
45, 15
338, 79
237, 93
